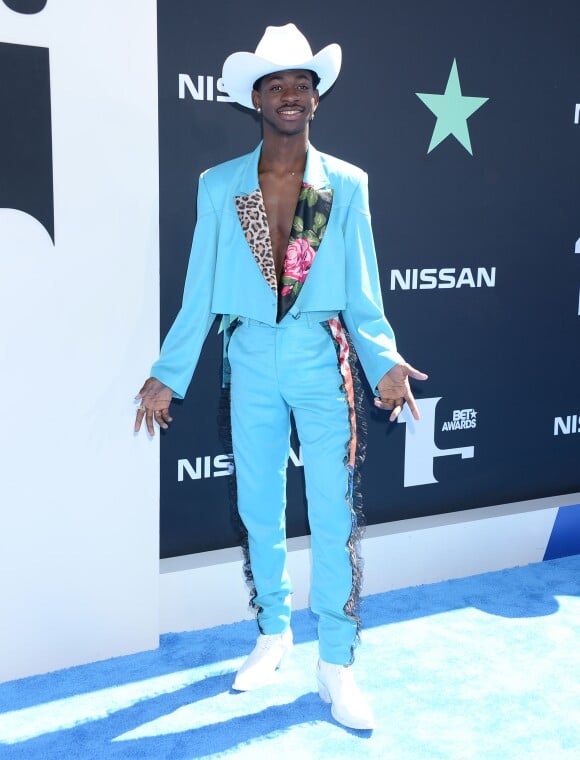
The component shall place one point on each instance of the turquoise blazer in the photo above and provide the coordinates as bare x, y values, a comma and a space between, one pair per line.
223, 277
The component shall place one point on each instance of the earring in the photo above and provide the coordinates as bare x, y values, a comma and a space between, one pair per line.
312, 117
258, 109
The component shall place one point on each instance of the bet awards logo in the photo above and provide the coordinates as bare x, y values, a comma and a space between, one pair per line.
420, 447
25, 127
462, 419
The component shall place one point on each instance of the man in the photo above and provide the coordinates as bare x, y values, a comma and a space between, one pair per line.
283, 246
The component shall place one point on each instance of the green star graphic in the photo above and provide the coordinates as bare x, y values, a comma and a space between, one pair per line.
452, 110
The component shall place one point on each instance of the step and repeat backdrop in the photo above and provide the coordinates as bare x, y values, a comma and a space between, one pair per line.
466, 115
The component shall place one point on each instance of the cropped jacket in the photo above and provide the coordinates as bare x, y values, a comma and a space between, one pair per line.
224, 278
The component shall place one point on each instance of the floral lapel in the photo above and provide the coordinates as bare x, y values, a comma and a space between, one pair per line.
308, 228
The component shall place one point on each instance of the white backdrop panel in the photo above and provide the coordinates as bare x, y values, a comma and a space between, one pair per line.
79, 538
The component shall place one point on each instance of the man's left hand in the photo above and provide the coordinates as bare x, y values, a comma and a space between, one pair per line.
395, 390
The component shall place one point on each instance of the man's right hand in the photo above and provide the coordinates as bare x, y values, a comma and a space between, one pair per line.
155, 400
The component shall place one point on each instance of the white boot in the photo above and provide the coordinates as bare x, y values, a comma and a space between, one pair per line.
336, 686
260, 667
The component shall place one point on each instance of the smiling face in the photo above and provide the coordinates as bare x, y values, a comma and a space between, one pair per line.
287, 99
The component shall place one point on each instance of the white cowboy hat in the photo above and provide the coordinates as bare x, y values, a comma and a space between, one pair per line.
281, 48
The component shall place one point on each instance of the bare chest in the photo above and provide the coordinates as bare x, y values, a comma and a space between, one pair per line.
280, 198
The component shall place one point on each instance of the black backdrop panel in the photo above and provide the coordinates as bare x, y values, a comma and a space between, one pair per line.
26, 137
502, 357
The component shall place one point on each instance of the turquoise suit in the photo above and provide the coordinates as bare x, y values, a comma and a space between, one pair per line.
289, 354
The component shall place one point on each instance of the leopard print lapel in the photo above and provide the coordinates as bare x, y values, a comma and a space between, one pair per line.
252, 216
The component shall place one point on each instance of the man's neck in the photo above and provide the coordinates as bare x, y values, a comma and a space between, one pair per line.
284, 153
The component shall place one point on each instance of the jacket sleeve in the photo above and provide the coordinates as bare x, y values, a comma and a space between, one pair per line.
182, 346
364, 317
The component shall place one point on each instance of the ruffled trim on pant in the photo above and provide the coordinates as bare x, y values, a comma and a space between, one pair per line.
354, 457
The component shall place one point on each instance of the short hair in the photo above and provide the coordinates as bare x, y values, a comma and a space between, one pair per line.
315, 80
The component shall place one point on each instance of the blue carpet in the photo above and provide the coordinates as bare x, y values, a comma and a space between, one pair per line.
482, 667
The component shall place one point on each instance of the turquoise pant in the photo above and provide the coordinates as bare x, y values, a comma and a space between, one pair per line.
275, 371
